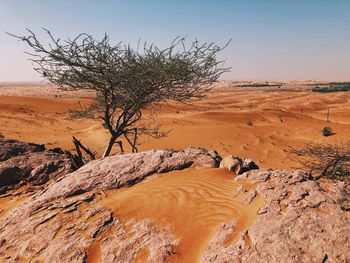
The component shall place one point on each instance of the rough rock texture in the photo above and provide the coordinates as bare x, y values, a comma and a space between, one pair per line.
64, 221
21, 163
238, 165
12, 148
123, 170
303, 221
67, 229
143, 235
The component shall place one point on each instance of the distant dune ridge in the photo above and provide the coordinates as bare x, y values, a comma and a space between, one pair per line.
257, 123
174, 201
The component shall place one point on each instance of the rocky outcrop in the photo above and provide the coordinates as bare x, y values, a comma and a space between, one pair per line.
238, 165
76, 229
303, 221
22, 163
124, 170
12, 148
64, 221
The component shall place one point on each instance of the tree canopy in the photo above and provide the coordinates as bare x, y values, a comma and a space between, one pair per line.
126, 81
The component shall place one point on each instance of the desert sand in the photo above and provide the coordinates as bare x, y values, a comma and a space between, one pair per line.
255, 123
194, 201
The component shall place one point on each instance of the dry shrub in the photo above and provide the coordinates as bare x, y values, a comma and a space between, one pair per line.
324, 160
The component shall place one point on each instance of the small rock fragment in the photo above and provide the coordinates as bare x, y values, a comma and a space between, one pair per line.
249, 198
237, 165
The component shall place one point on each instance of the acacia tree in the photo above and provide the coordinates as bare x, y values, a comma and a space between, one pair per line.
125, 81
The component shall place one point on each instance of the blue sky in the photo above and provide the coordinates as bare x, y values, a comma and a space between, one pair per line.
271, 39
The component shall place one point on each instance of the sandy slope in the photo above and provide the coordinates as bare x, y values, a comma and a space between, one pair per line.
279, 119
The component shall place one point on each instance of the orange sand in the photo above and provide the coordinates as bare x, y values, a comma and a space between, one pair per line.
279, 119
194, 201
11, 202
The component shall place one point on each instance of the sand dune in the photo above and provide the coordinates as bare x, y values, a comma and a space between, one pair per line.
277, 119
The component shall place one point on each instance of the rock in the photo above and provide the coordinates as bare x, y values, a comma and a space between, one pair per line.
125, 170
47, 217
144, 235
13, 148
231, 163
64, 220
12, 175
263, 210
240, 190
103, 221
237, 165
23, 163
303, 221
52, 236
250, 196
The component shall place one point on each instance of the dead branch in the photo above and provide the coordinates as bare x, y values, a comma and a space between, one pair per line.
79, 146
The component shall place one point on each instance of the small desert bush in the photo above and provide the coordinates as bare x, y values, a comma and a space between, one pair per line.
324, 160
280, 118
250, 123
327, 131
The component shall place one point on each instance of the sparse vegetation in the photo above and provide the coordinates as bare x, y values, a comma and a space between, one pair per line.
250, 123
125, 81
332, 87
327, 131
324, 160
280, 117
258, 85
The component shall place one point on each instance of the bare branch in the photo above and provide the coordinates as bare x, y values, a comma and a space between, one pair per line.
125, 81
79, 146
324, 160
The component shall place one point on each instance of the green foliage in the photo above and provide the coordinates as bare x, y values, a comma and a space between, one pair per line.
126, 81
333, 87
259, 85
327, 131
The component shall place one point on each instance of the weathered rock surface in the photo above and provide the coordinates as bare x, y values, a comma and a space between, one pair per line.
67, 229
144, 237
22, 163
64, 222
303, 221
238, 165
124, 170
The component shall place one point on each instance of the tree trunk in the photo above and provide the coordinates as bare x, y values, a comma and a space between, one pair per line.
109, 146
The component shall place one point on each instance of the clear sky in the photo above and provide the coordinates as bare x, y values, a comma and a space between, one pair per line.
271, 39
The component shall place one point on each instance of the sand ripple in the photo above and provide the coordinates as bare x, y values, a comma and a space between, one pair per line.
194, 201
